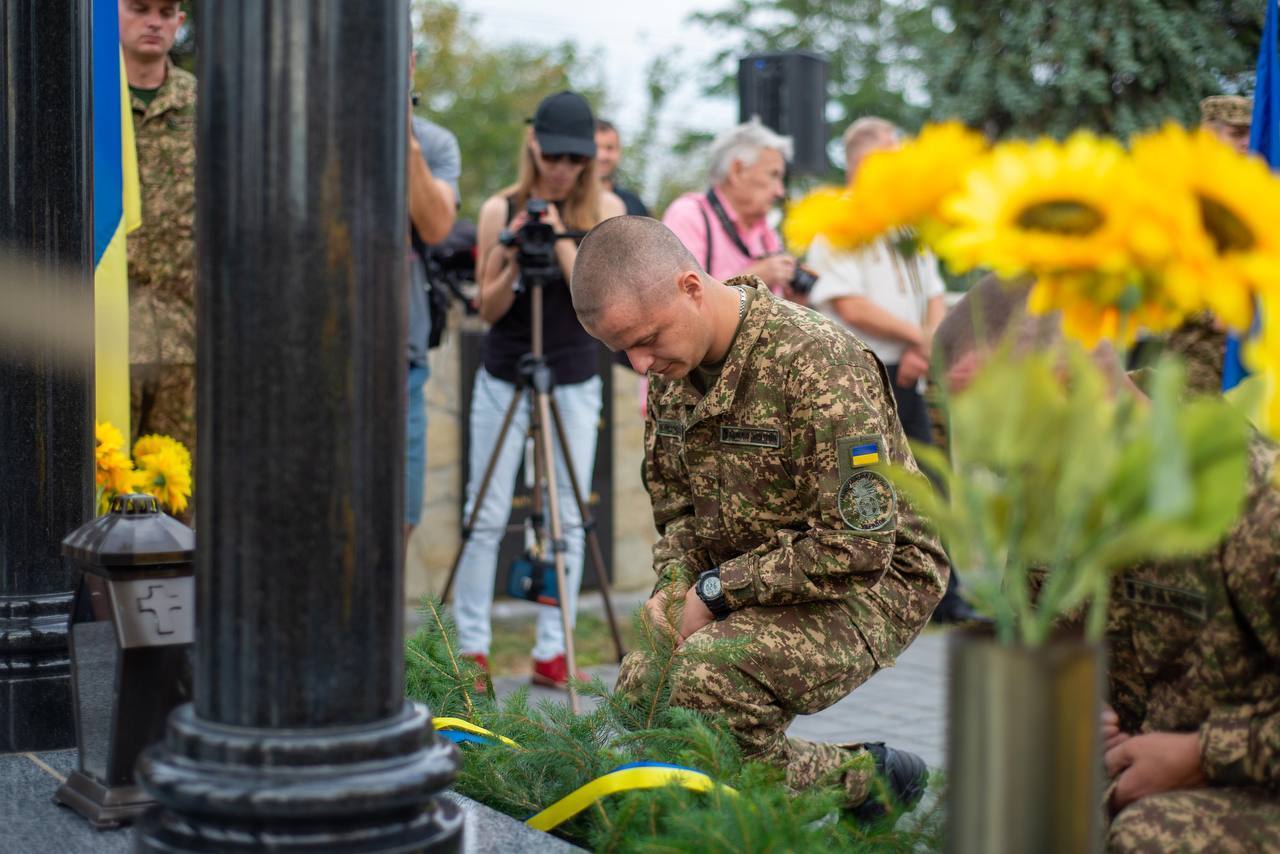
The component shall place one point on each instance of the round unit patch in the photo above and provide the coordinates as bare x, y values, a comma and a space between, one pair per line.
867, 501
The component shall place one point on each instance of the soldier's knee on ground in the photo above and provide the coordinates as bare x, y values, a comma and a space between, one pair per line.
631, 674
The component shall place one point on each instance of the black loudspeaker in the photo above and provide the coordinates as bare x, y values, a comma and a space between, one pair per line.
788, 91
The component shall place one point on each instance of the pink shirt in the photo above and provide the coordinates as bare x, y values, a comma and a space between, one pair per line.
685, 218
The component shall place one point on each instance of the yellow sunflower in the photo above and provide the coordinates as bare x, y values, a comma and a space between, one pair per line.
825, 211
904, 188
154, 442
1230, 251
1262, 354
1044, 207
892, 190
1096, 307
165, 474
108, 438
113, 469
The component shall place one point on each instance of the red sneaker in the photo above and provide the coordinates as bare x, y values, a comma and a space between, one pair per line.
554, 673
482, 661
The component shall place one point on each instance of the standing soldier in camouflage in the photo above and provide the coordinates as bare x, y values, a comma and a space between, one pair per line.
768, 428
1192, 735
162, 335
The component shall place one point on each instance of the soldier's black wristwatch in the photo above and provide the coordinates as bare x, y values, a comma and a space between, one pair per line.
712, 594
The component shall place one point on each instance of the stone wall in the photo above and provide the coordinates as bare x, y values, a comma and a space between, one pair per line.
435, 541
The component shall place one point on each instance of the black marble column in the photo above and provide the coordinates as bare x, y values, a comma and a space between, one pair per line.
300, 737
46, 394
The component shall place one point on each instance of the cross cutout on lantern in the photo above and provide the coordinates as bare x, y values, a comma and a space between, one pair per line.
155, 603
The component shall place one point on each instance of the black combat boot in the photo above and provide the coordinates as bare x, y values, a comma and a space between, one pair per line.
903, 777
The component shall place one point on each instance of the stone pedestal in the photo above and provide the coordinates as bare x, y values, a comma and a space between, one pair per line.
46, 393
300, 738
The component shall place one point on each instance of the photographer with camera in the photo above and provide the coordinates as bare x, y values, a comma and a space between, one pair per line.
432, 170
725, 228
557, 174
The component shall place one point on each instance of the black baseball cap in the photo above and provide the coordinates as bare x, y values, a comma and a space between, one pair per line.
563, 124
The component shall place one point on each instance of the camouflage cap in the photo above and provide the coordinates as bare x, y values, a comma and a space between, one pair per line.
1228, 109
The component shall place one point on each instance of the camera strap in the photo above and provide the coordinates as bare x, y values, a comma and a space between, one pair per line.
728, 226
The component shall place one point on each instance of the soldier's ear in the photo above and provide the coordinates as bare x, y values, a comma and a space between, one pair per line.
690, 284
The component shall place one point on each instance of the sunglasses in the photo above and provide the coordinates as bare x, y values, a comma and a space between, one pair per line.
575, 159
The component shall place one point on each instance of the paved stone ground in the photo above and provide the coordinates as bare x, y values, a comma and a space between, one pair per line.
30, 823
904, 706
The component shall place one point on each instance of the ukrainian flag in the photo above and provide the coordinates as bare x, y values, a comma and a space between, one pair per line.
864, 455
1264, 139
117, 209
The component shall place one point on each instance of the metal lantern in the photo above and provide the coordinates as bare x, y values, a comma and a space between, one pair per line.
131, 633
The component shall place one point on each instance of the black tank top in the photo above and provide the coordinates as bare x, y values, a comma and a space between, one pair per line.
569, 350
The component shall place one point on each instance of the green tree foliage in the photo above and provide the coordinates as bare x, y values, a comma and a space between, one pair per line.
560, 751
1116, 67
876, 50
1017, 68
484, 93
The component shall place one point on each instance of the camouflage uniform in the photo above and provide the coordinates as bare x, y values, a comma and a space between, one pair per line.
162, 335
1195, 646
1202, 345
828, 573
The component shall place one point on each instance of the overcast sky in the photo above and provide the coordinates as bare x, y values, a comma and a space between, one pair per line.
628, 36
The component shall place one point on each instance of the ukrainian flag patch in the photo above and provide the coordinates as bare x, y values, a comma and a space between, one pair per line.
856, 452
865, 454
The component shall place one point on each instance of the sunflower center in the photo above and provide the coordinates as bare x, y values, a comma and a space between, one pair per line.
1228, 231
1061, 216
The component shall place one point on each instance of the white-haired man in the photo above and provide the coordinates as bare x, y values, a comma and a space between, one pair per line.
724, 227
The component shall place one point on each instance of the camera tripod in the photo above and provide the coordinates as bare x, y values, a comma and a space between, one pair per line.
535, 383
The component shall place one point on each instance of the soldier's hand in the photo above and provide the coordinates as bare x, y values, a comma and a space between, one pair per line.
696, 614
656, 608
1153, 763
1112, 735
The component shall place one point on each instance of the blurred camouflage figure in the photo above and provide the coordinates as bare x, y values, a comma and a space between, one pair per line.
1201, 342
1229, 118
1192, 734
767, 431
1194, 741
162, 342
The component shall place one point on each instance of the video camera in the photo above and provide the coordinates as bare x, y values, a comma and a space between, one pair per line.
535, 243
803, 281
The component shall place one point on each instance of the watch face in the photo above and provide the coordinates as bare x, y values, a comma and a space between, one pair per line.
711, 587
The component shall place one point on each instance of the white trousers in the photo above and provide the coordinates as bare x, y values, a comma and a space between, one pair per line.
579, 406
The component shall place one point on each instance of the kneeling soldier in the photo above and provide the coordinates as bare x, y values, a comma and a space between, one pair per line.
767, 429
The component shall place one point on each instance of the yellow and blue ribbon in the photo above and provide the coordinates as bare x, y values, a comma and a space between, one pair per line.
624, 778
464, 732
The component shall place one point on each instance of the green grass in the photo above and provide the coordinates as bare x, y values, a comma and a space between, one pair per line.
509, 654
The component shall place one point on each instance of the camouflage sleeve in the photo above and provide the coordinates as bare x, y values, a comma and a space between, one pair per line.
1240, 744
858, 528
679, 554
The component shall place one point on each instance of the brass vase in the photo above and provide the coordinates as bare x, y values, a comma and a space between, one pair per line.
1024, 758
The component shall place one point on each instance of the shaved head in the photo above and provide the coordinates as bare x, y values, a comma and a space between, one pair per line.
991, 309
627, 259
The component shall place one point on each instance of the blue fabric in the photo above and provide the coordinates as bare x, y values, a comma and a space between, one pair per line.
415, 445
652, 765
108, 177
465, 737
1264, 138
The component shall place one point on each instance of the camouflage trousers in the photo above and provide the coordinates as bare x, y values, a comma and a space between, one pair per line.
162, 399
785, 661
1227, 820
